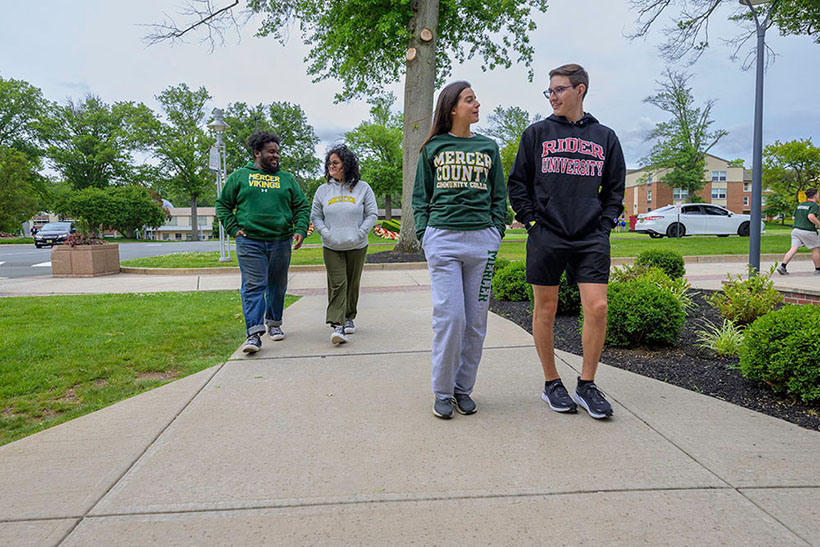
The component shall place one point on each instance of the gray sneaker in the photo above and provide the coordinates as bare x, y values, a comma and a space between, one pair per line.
816, 271
782, 270
443, 408
338, 336
350, 328
465, 405
252, 344
276, 333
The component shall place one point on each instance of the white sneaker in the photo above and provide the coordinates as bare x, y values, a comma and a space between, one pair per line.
338, 336
782, 270
350, 328
276, 333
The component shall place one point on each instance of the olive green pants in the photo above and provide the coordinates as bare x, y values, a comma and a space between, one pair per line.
344, 274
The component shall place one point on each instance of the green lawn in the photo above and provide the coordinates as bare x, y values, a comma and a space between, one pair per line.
65, 356
16, 240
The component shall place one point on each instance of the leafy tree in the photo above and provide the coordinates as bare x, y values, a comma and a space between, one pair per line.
506, 127
681, 143
22, 188
299, 140
22, 111
366, 44
777, 204
737, 163
182, 145
688, 35
791, 167
377, 142
91, 143
134, 208
94, 207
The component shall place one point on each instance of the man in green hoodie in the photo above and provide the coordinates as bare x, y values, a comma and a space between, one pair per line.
262, 207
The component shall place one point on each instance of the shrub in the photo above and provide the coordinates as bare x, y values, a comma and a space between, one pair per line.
500, 264
781, 349
392, 225
725, 340
569, 298
668, 261
678, 287
510, 283
641, 312
744, 300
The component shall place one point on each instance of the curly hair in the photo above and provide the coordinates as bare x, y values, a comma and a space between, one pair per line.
258, 140
350, 164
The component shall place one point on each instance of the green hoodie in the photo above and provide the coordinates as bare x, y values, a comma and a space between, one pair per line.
459, 185
266, 206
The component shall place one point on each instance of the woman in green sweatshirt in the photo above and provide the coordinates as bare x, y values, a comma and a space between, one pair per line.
459, 205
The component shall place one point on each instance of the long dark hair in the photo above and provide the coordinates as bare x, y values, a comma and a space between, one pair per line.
443, 115
350, 164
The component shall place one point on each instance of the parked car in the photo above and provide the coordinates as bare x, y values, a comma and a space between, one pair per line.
695, 219
53, 233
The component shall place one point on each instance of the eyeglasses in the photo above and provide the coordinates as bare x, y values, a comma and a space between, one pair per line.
334, 163
558, 90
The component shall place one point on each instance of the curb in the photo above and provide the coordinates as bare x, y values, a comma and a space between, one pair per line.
293, 268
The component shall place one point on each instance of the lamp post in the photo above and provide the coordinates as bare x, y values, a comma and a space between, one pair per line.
217, 163
757, 153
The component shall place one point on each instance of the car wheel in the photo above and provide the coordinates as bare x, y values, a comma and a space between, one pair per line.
743, 230
672, 230
38, 246
656, 236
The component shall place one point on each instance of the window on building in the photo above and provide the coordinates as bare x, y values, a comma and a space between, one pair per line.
171, 221
649, 195
718, 176
178, 236
745, 201
648, 209
680, 194
747, 186
718, 193
649, 179
201, 220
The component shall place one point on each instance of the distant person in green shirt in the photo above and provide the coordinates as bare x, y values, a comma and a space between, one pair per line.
263, 207
804, 233
460, 206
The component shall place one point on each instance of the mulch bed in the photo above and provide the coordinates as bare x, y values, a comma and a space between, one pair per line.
389, 257
686, 365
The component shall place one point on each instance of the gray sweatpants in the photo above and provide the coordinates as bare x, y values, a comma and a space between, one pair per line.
461, 272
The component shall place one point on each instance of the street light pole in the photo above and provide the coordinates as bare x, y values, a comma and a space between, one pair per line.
219, 165
757, 152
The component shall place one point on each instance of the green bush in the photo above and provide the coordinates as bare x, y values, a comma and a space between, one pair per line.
569, 299
642, 313
668, 261
744, 300
510, 217
679, 287
510, 283
781, 348
392, 225
500, 264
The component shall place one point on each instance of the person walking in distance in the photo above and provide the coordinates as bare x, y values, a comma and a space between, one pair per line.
567, 187
459, 205
263, 208
344, 211
804, 233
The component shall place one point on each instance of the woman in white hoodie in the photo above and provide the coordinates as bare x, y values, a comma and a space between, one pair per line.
344, 211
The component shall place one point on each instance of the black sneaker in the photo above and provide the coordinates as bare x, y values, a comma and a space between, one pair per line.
252, 344
464, 404
591, 398
555, 395
443, 408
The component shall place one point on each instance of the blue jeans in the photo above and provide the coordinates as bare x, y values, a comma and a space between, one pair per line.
264, 266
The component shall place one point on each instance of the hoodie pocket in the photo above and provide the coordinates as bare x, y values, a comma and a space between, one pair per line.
343, 237
574, 217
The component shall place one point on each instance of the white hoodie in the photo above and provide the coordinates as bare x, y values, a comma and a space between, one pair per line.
344, 217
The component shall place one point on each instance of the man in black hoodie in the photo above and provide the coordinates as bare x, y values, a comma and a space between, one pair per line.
567, 188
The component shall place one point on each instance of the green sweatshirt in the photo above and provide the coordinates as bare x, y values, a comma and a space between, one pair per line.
801, 215
266, 206
459, 185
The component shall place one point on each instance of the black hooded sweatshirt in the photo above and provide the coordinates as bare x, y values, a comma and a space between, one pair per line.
568, 177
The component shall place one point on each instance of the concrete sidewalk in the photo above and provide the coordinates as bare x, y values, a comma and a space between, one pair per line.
306, 443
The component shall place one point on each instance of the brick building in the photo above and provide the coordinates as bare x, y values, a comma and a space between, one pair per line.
730, 187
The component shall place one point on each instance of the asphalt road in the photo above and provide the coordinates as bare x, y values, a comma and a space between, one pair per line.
26, 260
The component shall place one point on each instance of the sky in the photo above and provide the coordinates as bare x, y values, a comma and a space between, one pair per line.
70, 49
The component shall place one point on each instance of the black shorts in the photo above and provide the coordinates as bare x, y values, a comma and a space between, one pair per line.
585, 260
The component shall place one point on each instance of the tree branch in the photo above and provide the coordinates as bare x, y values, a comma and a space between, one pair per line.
215, 20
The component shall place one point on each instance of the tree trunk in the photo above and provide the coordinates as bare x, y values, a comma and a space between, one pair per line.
419, 85
194, 223
388, 208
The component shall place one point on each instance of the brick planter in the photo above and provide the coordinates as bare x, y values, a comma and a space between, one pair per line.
801, 296
85, 260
